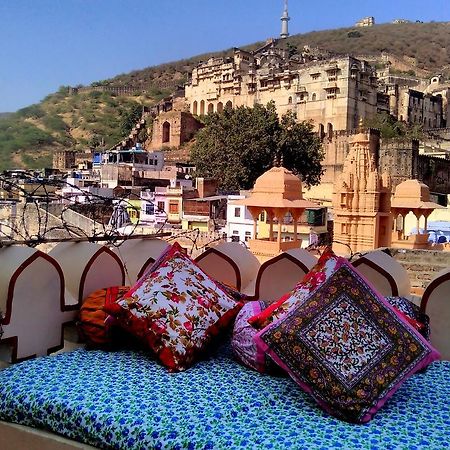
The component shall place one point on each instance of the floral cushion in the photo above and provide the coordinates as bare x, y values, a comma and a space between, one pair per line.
311, 281
243, 344
411, 313
175, 309
346, 346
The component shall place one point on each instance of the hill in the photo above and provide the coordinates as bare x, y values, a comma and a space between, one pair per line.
89, 117
425, 45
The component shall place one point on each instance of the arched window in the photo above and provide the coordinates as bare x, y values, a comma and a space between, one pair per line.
166, 132
219, 107
210, 108
329, 129
290, 101
202, 108
194, 107
321, 131
228, 105
313, 97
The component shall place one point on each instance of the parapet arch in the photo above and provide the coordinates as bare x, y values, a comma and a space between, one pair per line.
226, 271
137, 255
242, 265
386, 274
33, 285
87, 267
436, 304
288, 268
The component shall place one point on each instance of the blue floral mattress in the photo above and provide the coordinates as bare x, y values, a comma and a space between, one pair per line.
126, 400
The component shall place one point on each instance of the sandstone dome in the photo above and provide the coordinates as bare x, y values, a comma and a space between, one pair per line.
277, 188
413, 194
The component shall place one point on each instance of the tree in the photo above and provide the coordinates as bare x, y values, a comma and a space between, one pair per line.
129, 118
301, 149
238, 145
391, 128
291, 49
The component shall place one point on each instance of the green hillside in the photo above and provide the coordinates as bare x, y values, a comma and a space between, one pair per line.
63, 120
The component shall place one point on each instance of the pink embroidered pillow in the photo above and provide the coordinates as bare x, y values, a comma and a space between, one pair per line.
313, 279
243, 344
346, 346
175, 309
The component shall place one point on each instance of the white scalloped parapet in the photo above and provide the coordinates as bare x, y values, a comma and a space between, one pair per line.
32, 301
436, 304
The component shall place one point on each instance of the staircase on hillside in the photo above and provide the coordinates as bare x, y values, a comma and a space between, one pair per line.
132, 139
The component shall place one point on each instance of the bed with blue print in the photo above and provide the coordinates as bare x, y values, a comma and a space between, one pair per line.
126, 400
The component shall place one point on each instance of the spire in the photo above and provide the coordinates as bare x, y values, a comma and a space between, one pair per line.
284, 21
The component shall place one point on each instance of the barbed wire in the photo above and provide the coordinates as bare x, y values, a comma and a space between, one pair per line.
43, 210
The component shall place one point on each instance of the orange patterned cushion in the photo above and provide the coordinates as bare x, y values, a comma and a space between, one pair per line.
92, 323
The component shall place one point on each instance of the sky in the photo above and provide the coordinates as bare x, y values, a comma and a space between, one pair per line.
45, 44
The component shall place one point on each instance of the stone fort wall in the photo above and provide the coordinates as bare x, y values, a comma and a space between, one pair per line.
398, 157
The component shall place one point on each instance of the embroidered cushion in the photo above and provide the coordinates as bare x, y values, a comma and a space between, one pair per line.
92, 324
243, 344
411, 313
176, 309
311, 281
346, 346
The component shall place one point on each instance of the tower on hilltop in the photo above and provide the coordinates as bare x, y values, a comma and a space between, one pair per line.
284, 21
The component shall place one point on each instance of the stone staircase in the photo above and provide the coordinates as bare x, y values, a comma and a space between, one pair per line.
132, 139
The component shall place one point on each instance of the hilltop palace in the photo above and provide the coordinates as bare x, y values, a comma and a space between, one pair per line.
335, 92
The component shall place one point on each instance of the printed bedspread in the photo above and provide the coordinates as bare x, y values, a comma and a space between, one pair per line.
126, 400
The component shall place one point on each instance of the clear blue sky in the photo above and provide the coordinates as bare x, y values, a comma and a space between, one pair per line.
48, 43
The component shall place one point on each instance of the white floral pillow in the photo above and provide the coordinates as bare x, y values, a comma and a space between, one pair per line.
176, 309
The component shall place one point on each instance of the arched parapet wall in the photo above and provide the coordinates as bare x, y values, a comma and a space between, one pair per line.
137, 255
87, 267
281, 273
220, 267
32, 301
436, 304
386, 274
230, 263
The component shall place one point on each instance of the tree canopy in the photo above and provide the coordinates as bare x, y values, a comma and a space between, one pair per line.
391, 128
238, 145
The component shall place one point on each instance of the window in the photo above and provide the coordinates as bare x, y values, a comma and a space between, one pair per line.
161, 206
314, 97
166, 132
315, 76
248, 235
262, 217
149, 209
237, 212
133, 213
173, 207
290, 100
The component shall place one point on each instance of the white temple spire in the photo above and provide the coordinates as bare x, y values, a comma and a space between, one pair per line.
284, 21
